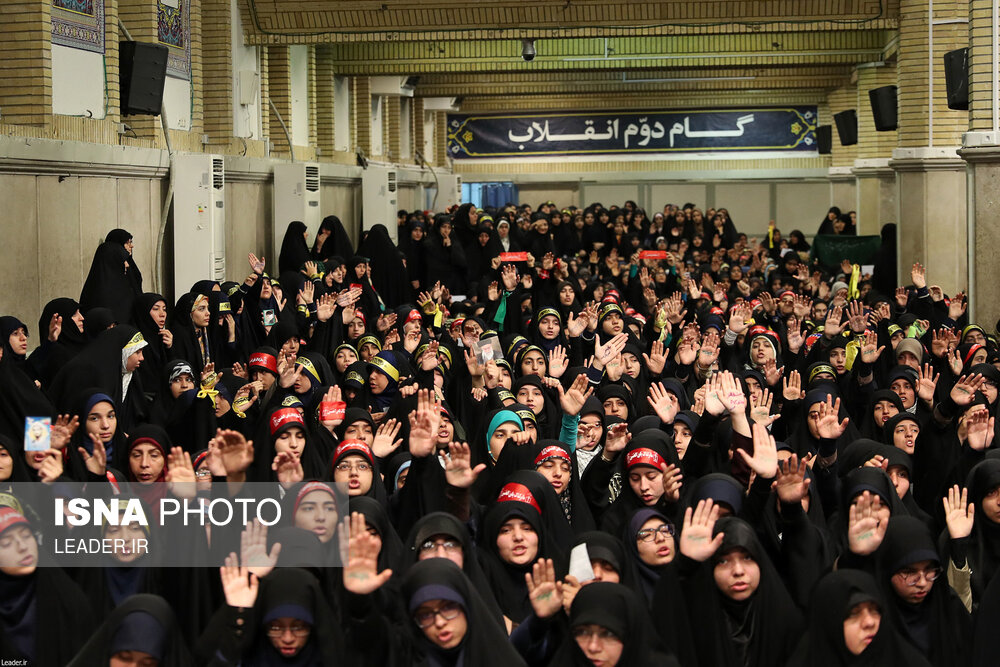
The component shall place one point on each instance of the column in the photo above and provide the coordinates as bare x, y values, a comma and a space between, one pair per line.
930, 175
981, 151
26, 63
279, 90
362, 89
325, 100
218, 70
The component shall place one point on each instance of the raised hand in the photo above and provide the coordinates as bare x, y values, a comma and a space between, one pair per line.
325, 307
673, 480
656, 359
957, 306
544, 591
965, 389
429, 359
829, 426
509, 277
240, 591
253, 550
663, 402
98, 461
802, 306
236, 451
918, 275
604, 353
714, 404
696, 540
55, 327
979, 430
288, 467
361, 575
764, 461
927, 381
424, 422
458, 468
856, 317
180, 474
709, 352
385, 442
833, 325
771, 372
959, 513
731, 394
558, 361
760, 407
575, 326
870, 349
307, 293
795, 337
52, 466
62, 430
902, 297
864, 530
385, 321
617, 438
256, 264
792, 485
572, 399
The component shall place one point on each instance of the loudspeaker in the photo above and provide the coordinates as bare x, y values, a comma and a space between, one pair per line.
884, 108
847, 127
824, 139
956, 78
143, 70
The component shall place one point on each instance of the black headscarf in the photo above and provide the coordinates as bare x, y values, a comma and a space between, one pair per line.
392, 555
618, 609
823, 643
388, 275
730, 633
485, 643
294, 250
938, 627
113, 281
141, 623
337, 244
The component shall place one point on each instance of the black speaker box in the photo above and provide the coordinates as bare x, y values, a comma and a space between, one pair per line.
847, 127
884, 108
143, 69
956, 78
824, 139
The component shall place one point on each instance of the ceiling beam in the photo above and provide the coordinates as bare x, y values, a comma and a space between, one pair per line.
365, 20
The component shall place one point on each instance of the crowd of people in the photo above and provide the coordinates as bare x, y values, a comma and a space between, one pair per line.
566, 437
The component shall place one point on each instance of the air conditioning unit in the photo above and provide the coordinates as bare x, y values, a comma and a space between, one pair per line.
199, 220
450, 191
296, 197
379, 198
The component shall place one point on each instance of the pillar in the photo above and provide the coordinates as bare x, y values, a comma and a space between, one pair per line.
279, 91
981, 151
218, 69
930, 175
362, 99
393, 145
26, 63
325, 101
876, 181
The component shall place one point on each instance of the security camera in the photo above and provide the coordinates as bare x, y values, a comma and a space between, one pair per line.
528, 49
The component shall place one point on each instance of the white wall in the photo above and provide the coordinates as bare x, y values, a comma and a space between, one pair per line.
749, 205
77, 82
246, 118
801, 206
662, 194
378, 106
608, 195
298, 59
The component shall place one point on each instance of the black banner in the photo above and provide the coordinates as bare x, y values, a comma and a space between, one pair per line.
768, 129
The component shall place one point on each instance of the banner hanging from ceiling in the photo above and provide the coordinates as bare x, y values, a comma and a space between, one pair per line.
724, 130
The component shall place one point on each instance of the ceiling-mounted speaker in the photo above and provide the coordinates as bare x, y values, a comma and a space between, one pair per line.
824, 139
884, 107
847, 127
956, 78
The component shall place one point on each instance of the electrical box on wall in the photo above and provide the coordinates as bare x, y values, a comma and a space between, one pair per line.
449, 191
296, 197
199, 220
249, 82
379, 199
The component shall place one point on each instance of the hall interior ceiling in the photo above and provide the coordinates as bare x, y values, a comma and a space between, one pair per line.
593, 54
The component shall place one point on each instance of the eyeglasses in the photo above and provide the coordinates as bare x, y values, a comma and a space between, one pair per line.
649, 534
299, 630
434, 545
347, 467
448, 611
601, 634
912, 577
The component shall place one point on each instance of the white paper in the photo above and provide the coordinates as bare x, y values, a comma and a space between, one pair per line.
579, 563
867, 269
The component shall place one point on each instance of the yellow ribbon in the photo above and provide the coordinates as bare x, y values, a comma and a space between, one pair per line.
208, 392
852, 289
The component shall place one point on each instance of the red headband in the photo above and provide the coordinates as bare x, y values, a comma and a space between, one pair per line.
285, 416
348, 447
265, 361
512, 492
11, 517
308, 488
552, 452
644, 457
